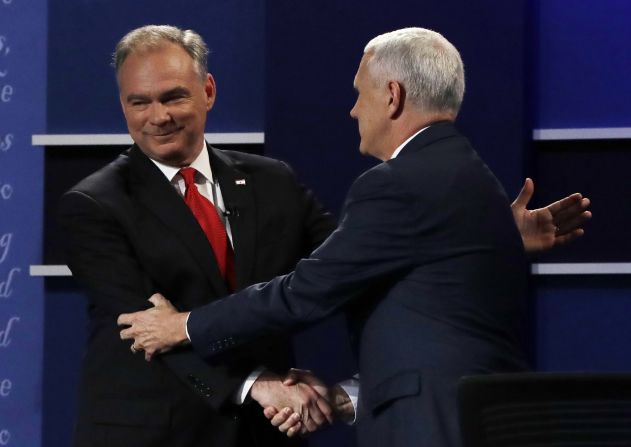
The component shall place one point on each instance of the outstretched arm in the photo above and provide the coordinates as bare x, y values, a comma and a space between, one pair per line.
558, 223
303, 399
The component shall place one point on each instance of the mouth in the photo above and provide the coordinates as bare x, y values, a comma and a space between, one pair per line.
164, 134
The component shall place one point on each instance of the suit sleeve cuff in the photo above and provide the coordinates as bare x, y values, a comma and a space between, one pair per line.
243, 391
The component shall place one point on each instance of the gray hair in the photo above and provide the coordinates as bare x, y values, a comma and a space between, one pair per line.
154, 36
426, 64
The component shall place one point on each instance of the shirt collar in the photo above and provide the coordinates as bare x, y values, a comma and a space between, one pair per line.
201, 165
400, 148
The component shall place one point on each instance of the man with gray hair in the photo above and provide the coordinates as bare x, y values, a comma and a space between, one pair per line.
426, 260
177, 216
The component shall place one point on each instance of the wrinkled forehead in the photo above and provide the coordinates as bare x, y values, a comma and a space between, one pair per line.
145, 49
159, 61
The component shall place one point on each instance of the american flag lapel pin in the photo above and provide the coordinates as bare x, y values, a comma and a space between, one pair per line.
240, 181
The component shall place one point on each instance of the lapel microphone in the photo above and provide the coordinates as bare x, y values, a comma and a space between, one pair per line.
230, 212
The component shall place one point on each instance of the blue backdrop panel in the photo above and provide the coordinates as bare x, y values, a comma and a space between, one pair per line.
582, 323
584, 65
581, 79
22, 112
82, 89
64, 346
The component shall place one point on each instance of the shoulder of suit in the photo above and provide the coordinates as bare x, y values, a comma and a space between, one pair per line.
108, 180
252, 163
379, 177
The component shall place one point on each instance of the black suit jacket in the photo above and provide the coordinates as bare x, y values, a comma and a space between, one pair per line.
428, 262
129, 234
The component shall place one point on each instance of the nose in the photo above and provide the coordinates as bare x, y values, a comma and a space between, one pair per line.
353, 112
159, 114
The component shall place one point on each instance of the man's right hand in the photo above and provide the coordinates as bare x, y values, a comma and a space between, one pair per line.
288, 422
304, 408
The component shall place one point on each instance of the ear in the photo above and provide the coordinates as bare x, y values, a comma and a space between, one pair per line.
396, 97
211, 91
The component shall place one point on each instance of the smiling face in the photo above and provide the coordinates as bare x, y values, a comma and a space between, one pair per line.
165, 103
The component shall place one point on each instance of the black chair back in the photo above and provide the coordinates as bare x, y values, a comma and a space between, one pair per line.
546, 410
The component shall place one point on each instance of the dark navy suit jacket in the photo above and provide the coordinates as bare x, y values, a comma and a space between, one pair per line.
428, 262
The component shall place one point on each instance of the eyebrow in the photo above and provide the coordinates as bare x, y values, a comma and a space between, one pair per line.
136, 97
177, 91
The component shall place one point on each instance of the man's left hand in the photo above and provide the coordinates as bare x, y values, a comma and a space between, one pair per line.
155, 330
558, 223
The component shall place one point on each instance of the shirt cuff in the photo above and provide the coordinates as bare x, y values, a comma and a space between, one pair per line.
351, 387
186, 326
243, 391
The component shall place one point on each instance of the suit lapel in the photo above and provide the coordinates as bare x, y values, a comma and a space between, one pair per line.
152, 189
238, 196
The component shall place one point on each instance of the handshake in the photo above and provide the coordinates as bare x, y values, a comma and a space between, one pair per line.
300, 403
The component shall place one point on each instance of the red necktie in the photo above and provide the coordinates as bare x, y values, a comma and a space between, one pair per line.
208, 218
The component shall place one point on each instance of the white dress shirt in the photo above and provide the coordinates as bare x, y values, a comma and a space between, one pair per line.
402, 145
